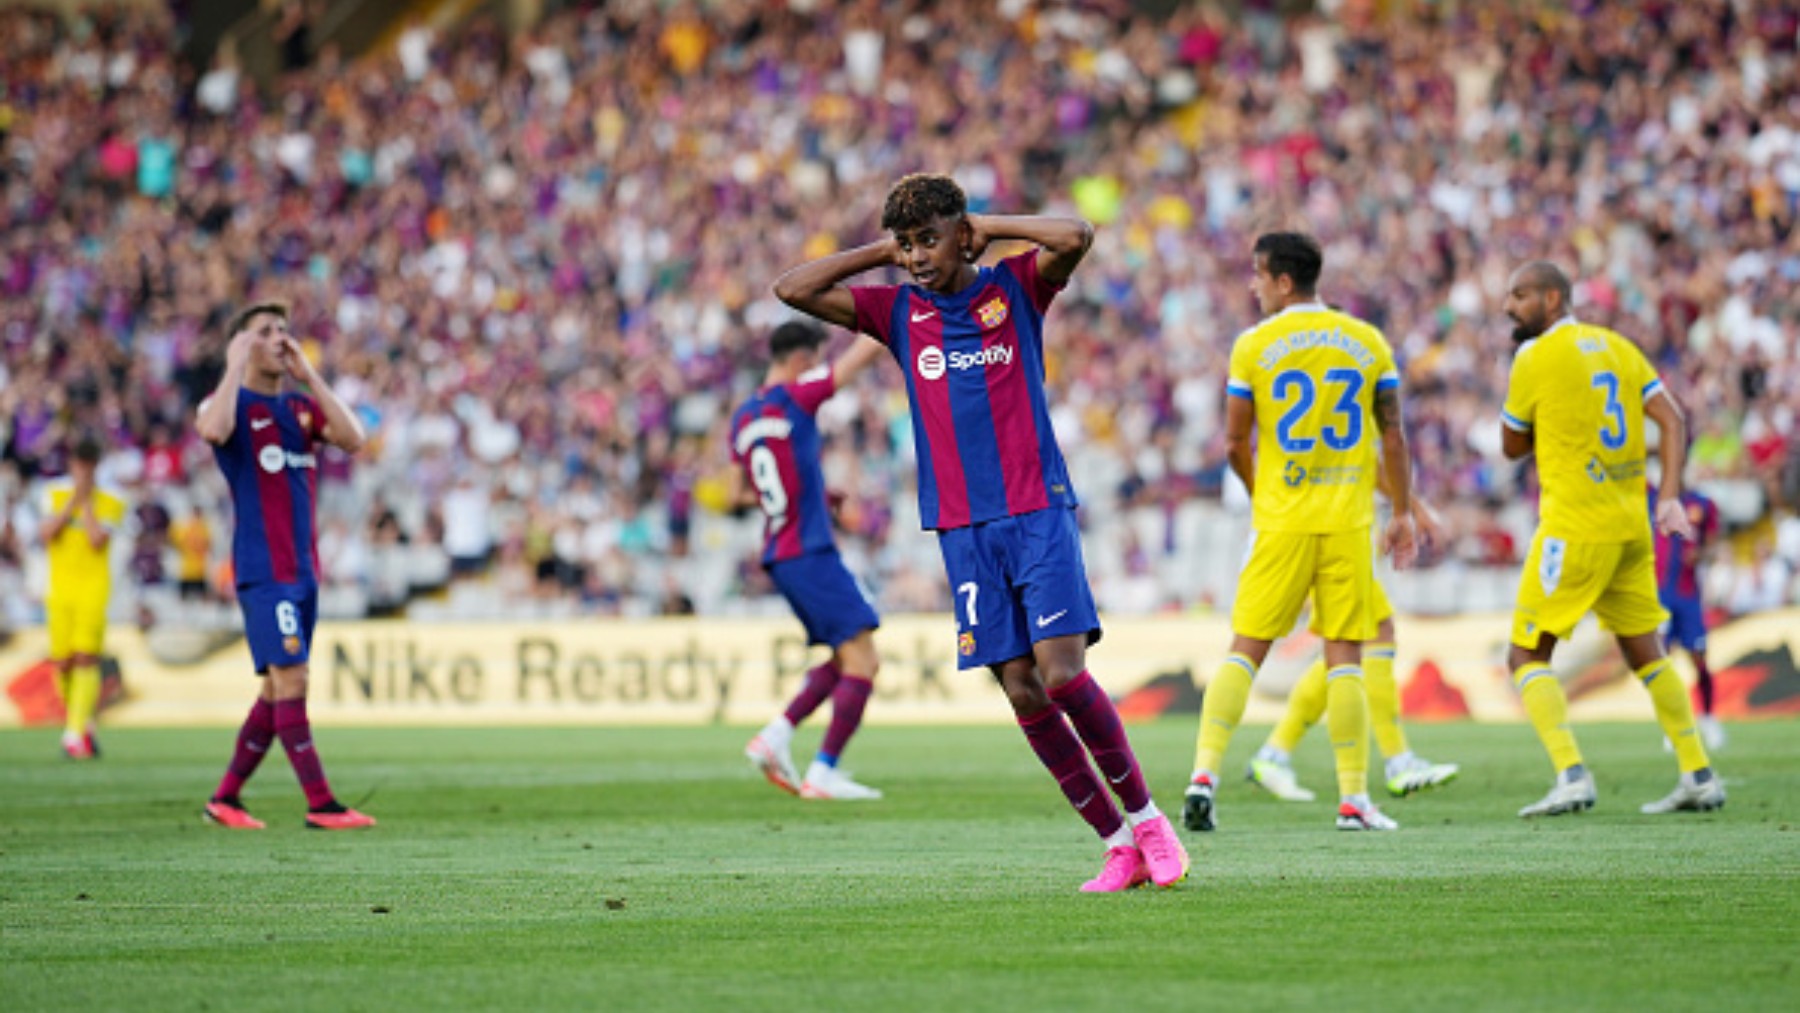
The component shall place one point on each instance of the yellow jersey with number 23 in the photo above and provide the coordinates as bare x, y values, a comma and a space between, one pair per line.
1311, 373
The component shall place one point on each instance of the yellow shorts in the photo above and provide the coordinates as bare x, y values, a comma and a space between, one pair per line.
1282, 569
1565, 580
75, 627
1380, 609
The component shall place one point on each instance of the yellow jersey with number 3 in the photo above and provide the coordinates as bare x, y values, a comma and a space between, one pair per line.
1311, 373
1581, 391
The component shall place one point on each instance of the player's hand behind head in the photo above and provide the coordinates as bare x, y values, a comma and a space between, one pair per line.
978, 238
1672, 519
1401, 541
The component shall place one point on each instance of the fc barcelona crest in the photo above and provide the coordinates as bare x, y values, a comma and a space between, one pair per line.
991, 313
305, 417
965, 643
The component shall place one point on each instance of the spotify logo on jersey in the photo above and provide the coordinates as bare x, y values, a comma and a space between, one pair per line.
931, 362
271, 458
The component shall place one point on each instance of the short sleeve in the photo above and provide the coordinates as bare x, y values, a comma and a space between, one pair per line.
875, 310
1241, 381
812, 389
1520, 411
1387, 373
1024, 267
1648, 383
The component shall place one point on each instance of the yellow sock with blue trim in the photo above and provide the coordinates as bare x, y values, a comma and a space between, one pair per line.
1347, 718
1305, 706
1221, 709
83, 698
1548, 708
1675, 713
1384, 699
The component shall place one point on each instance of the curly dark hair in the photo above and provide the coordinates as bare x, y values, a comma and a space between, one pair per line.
920, 199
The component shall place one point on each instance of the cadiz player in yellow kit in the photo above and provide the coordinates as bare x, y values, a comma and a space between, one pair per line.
82, 518
1579, 395
1321, 389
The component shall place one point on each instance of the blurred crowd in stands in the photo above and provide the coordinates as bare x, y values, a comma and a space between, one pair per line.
539, 264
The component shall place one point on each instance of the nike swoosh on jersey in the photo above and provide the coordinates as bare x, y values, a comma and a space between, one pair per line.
1044, 621
261, 423
917, 317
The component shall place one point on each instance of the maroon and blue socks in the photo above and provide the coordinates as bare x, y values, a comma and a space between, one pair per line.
1096, 720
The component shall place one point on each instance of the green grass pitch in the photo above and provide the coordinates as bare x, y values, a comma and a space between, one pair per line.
641, 869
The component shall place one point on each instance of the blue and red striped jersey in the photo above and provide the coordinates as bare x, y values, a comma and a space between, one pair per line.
775, 439
271, 463
974, 365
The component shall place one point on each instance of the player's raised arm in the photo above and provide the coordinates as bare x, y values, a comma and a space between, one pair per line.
217, 419
859, 357
342, 429
816, 287
1062, 242
1671, 515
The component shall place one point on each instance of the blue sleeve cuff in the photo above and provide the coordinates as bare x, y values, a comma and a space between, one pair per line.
1653, 388
1237, 388
1515, 423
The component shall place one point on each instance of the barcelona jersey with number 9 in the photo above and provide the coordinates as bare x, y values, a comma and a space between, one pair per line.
1581, 390
1312, 373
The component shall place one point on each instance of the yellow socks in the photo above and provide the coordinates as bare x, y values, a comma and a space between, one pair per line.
1674, 713
1221, 709
1384, 699
1347, 718
1306, 705
83, 698
1548, 710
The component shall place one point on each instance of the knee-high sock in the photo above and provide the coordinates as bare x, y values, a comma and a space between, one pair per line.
1674, 713
1221, 710
1347, 718
847, 703
1096, 720
83, 698
253, 741
1548, 708
1305, 706
1061, 753
819, 684
296, 737
1384, 699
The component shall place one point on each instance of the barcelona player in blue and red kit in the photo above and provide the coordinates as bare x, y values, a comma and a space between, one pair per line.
992, 483
1678, 584
266, 439
775, 443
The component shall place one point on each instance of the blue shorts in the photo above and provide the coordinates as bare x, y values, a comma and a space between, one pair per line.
278, 623
825, 597
1016, 581
1687, 622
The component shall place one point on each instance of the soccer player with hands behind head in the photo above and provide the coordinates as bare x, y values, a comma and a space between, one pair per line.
993, 484
266, 437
